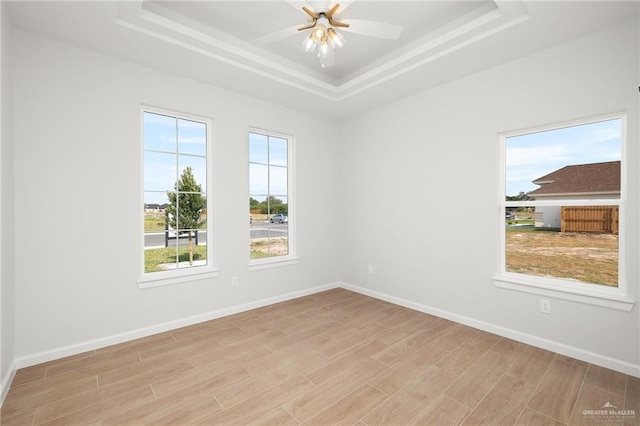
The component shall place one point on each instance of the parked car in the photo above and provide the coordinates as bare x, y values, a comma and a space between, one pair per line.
510, 215
279, 218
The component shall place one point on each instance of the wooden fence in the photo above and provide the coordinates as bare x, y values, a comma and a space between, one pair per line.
602, 219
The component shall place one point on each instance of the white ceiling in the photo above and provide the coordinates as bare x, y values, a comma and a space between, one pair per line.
215, 42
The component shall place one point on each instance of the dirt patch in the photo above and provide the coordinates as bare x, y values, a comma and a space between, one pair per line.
586, 257
269, 247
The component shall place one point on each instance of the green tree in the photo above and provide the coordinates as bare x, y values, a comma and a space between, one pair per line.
273, 205
185, 208
253, 203
522, 196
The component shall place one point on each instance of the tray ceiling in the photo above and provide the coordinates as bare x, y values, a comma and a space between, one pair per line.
219, 42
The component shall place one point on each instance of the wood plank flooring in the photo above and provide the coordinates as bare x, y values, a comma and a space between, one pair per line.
331, 358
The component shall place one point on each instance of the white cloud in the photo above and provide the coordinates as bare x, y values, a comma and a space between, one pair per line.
526, 156
534, 155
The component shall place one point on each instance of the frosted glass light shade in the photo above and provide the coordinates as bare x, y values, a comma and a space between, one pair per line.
335, 38
308, 44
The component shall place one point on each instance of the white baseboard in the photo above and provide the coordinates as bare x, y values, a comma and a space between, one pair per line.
6, 382
591, 357
90, 345
561, 348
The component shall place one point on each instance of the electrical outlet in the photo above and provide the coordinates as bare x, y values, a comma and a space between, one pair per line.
370, 269
234, 282
545, 306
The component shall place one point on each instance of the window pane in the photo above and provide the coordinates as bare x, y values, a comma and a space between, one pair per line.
578, 161
278, 180
156, 200
159, 132
272, 245
258, 199
154, 219
161, 258
187, 212
202, 227
565, 241
281, 200
268, 196
174, 192
278, 238
198, 169
192, 137
278, 152
278, 209
258, 179
160, 171
258, 147
186, 209
199, 255
259, 247
574, 254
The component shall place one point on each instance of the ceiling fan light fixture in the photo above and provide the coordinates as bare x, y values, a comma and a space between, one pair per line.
323, 50
323, 35
319, 34
308, 44
335, 38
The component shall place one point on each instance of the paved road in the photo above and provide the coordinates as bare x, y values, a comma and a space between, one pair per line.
258, 230
157, 239
263, 230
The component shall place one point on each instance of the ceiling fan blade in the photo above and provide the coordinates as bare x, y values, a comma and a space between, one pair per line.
310, 12
331, 11
328, 60
276, 36
373, 29
309, 25
338, 24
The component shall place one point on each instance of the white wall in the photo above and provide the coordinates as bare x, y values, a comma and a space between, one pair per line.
411, 165
7, 277
77, 195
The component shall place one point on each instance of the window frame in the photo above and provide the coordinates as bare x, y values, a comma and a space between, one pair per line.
291, 258
591, 294
181, 275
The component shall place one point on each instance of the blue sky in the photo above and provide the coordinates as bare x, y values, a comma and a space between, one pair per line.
534, 155
267, 167
170, 146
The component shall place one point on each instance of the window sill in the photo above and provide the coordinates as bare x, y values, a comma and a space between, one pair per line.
272, 262
603, 299
169, 278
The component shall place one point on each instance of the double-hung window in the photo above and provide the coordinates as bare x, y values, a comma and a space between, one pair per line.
271, 218
562, 200
177, 197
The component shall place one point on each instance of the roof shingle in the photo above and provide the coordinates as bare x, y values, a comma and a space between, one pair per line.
580, 178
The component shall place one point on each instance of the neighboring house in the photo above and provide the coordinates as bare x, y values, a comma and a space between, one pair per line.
582, 181
155, 209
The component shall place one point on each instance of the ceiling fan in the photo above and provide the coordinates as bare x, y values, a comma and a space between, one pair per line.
324, 36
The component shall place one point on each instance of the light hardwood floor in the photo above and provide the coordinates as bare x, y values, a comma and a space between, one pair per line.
335, 357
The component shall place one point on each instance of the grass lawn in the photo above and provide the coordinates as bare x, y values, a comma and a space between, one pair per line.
153, 258
586, 257
157, 223
153, 223
520, 222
